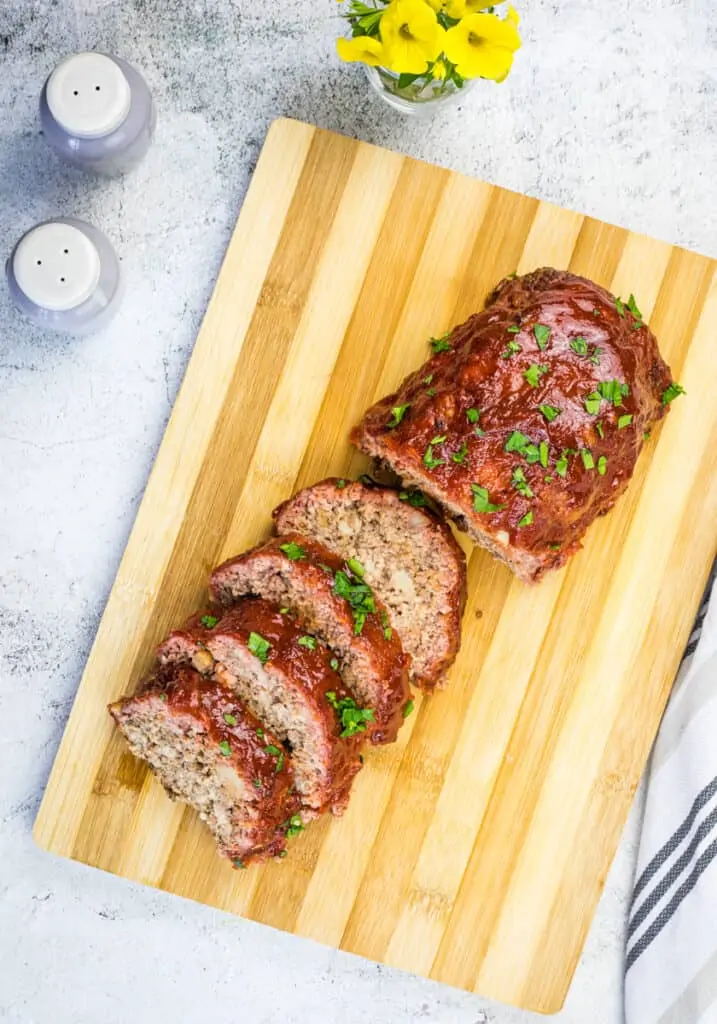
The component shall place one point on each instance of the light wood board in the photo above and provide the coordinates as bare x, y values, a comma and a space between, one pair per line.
475, 849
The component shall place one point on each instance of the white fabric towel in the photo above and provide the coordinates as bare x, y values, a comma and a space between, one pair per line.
671, 955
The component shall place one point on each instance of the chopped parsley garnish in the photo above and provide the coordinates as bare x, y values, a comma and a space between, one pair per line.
209, 621
355, 566
595, 357
632, 306
239, 864
271, 749
472, 415
527, 519
613, 391
602, 465
592, 403
481, 502
408, 708
547, 478
672, 392
532, 454
283, 853
431, 392
550, 412
340, 484
561, 466
385, 622
257, 783
326, 568
397, 414
460, 456
596, 312
225, 748
163, 697
620, 307
359, 595
544, 454
308, 641
542, 336
587, 456
441, 344
229, 719
514, 329
294, 552
260, 733
415, 498
279, 763
293, 826
334, 663
534, 373
580, 346
352, 718
283, 611
478, 432
599, 428
520, 483
554, 547
517, 442
511, 349
429, 459
646, 436
624, 421
429, 379
259, 647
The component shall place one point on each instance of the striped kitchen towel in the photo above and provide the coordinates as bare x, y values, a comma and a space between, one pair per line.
671, 954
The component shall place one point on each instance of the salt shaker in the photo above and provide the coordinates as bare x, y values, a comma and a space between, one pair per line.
97, 113
64, 275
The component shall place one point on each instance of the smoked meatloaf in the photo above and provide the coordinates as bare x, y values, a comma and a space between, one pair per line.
330, 600
527, 421
410, 557
289, 681
209, 751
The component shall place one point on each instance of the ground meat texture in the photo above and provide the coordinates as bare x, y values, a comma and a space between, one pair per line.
411, 558
307, 578
534, 419
209, 751
290, 686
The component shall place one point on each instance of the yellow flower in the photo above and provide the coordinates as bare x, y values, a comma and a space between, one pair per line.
411, 36
482, 46
439, 70
457, 8
362, 48
512, 16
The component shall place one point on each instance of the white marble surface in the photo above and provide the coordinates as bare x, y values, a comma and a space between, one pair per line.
612, 110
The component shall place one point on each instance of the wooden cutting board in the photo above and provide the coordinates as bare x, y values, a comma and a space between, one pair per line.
475, 849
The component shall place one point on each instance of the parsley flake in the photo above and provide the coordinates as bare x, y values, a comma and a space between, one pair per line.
415, 498
592, 403
352, 718
229, 719
511, 349
646, 436
307, 641
163, 697
257, 783
459, 457
429, 459
334, 663
620, 307
441, 344
355, 566
293, 826
273, 750
481, 502
514, 329
672, 392
279, 763
260, 733
397, 414
613, 391
472, 415
542, 336
340, 484
294, 552
580, 346
431, 392
632, 306
239, 864
209, 621
587, 456
534, 373
599, 428
429, 379
225, 749
602, 465
561, 466
527, 519
520, 483
517, 442
550, 412
259, 647
360, 597
408, 708
624, 421
544, 454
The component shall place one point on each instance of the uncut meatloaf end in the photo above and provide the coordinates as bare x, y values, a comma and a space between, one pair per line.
303, 576
537, 411
203, 746
290, 685
410, 556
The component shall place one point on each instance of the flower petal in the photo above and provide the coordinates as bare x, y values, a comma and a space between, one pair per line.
361, 49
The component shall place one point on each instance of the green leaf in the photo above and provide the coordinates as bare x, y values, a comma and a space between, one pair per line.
415, 498
340, 484
209, 621
429, 458
293, 551
520, 483
517, 442
472, 415
259, 647
672, 392
602, 465
527, 519
534, 373
229, 719
351, 717
293, 826
550, 412
613, 391
355, 566
511, 349
334, 663
408, 708
544, 454
308, 641
624, 421
459, 457
225, 749
632, 306
592, 403
620, 307
514, 329
440, 344
481, 502
587, 456
542, 336
580, 346
397, 414
404, 80
273, 750
561, 466
599, 428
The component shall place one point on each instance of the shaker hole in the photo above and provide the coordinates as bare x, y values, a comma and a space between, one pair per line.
66, 251
62, 280
39, 263
97, 88
75, 92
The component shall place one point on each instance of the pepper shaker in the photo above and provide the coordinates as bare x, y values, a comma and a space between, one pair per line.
97, 113
64, 275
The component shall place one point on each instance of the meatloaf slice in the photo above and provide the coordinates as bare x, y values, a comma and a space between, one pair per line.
288, 680
410, 556
209, 751
536, 413
331, 601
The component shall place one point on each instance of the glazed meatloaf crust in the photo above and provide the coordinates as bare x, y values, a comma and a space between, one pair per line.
527, 422
209, 751
289, 681
411, 560
331, 601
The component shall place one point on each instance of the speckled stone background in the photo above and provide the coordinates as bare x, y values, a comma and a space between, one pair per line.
611, 110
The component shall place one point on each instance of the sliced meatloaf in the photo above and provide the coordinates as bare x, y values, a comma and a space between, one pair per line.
528, 420
288, 679
411, 561
331, 601
209, 751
